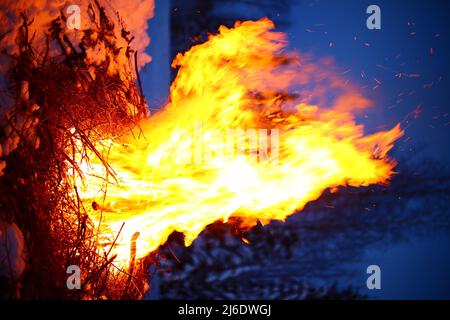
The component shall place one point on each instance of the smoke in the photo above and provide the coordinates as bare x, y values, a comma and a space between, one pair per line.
133, 15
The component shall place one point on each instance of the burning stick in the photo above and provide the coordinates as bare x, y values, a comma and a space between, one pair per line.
98, 207
132, 261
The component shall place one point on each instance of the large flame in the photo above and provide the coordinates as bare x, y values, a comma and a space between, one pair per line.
242, 136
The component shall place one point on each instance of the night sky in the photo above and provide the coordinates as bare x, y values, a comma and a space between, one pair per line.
413, 40
404, 67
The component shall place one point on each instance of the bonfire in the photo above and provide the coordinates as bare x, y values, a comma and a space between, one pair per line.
251, 133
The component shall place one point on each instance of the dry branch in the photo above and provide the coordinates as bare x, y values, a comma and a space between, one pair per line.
67, 98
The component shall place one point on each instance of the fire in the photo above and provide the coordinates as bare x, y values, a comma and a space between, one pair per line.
251, 132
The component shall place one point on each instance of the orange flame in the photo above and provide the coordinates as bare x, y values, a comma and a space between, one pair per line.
241, 137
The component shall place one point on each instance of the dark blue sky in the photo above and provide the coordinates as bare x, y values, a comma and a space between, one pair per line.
413, 41
417, 268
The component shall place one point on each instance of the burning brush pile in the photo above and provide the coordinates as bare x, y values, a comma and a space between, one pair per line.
65, 101
251, 133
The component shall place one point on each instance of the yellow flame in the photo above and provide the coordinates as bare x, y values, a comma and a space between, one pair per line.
242, 136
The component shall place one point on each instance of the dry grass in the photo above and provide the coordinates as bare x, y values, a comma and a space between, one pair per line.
64, 99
